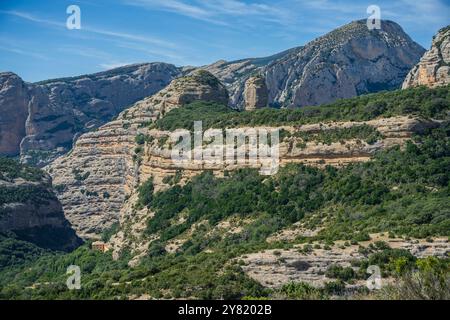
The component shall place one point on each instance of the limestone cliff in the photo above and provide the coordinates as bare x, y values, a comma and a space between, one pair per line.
104, 167
103, 171
40, 121
434, 68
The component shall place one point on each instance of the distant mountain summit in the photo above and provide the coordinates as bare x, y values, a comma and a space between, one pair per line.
434, 68
349, 61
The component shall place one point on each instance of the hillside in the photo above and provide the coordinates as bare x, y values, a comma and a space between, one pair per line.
30, 210
308, 232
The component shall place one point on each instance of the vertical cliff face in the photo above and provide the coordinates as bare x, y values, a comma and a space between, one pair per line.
256, 95
14, 112
40, 121
434, 68
104, 166
30, 209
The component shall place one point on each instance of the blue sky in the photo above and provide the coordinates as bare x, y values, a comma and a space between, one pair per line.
35, 43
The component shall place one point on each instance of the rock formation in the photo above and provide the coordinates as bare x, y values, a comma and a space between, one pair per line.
434, 68
104, 167
40, 121
30, 209
255, 93
293, 265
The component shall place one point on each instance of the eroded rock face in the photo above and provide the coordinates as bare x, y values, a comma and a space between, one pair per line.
14, 112
275, 268
103, 169
256, 95
40, 121
33, 212
346, 62
433, 70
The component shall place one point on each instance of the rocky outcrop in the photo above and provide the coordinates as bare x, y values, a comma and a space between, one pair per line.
40, 121
346, 62
433, 70
275, 268
255, 93
30, 209
104, 167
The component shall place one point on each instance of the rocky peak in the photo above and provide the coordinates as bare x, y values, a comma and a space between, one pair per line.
348, 61
199, 85
434, 68
255, 93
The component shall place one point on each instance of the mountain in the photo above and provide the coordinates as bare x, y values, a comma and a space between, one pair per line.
30, 210
349, 61
434, 67
40, 121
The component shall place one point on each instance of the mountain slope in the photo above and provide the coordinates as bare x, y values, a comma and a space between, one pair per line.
103, 168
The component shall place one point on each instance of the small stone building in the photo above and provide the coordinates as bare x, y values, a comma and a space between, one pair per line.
100, 246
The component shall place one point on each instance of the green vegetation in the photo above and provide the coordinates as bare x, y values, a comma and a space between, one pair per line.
145, 193
14, 252
11, 169
206, 78
79, 176
420, 101
36, 195
328, 136
426, 279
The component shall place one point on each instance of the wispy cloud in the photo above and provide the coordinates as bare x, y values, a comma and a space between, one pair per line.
108, 33
24, 52
217, 11
113, 65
